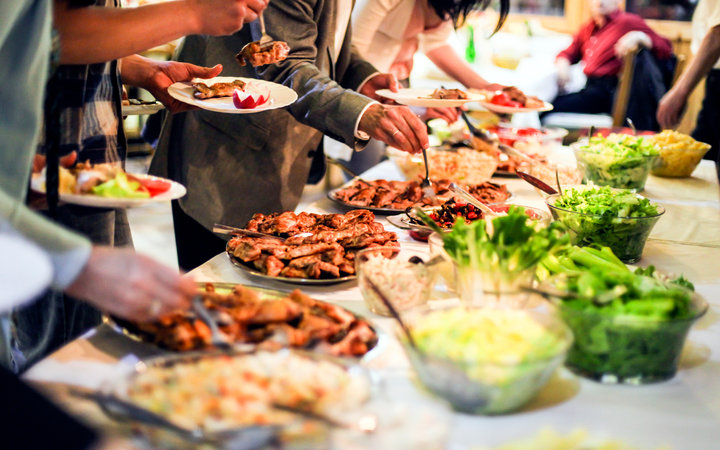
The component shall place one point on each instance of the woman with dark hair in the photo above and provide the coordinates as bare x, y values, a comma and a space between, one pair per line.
388, 33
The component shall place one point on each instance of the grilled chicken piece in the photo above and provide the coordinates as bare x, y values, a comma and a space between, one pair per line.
258, 55
448, 94
203, 91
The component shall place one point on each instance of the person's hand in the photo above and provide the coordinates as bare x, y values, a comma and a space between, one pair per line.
377, 82
449, 115
224, 17
166, 73
562, 66
671, 108
130, 285
493, 87
631, 41
395, 125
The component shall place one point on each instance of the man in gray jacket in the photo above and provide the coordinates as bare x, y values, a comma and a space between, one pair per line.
235, 165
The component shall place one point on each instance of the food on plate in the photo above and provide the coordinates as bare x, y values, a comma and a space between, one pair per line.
500, 253
679, 153
503, 356
619, 219
228, 391
317, 245
401, 195
462, 165
629, 325
259, 55
245, 317
448, 94
204, 91
251, 96
528, 138
405, 282
446, 214
513, 97
511, 163
103, 180
618, 160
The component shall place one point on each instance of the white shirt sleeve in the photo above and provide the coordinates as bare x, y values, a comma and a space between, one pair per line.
437, 37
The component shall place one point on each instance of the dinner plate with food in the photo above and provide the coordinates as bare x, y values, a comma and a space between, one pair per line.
233, 95
306, 248
510, 100
108, 186
431, 98
393, 197
263, 319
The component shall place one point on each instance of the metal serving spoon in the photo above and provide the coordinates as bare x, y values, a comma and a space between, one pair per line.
265, 41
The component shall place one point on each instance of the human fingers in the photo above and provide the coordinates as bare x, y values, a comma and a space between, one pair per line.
38, 163
418, 128
194, 71
69, 160
257, 6
401, 133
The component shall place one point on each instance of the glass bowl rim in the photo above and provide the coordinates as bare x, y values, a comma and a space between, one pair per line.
550, 199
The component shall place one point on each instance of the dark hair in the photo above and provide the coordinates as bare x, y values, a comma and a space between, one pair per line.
457, 10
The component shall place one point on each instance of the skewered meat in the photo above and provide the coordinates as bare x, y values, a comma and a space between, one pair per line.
259, 55
448, 94
405, 194
321, 254
296, 320
203, 91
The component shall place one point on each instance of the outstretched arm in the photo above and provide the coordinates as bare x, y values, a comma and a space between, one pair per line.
97, 34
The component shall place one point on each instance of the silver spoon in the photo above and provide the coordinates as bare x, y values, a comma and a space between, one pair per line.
631, 125
426, 184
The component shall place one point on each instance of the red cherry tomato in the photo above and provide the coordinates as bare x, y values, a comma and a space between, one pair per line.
418, 236
154, 186
503, 99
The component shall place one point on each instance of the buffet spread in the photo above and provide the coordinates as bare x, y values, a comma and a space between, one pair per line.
516, 304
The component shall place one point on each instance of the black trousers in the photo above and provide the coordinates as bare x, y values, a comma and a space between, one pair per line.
595, 98
195, 244
707, 128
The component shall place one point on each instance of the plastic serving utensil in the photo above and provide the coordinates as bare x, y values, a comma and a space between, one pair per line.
538, 183
468, 197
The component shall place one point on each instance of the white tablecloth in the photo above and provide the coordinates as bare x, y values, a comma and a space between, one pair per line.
683, 412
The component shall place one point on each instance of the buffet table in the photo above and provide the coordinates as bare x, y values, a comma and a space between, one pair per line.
683, 413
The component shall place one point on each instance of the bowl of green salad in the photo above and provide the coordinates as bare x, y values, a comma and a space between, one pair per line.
616, 218
629, 326
618, 160
484, 360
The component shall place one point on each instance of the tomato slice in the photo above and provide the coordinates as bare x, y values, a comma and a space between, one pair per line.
503, 99
154, 186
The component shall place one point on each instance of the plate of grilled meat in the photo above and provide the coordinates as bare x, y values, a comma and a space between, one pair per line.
234, 95
393, 197
307, 248
431, 98
259, 318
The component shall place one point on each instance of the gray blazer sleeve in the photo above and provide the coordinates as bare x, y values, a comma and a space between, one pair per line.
322, 103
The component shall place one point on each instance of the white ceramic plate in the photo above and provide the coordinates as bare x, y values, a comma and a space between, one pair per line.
280, 96
176, 191
510, 110
419, 97
133, 110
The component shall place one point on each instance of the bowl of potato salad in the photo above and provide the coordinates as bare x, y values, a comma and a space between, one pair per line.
679, 154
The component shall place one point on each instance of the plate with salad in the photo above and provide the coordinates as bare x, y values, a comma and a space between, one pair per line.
109, 186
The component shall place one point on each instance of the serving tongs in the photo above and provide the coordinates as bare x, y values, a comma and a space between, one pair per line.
486, 137
468, 197
234, 231
245, 437
537, 182
217, 338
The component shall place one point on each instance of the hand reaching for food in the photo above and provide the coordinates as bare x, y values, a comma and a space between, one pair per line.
397, 126
377, 82
131, 285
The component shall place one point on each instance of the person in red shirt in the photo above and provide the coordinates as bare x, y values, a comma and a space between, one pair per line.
601, 44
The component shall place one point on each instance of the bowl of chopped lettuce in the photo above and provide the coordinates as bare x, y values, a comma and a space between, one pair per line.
629, 325
619, 219
483, 360
618, 160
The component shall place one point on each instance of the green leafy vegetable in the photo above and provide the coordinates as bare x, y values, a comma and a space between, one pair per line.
620, 161
120, 187
618, 219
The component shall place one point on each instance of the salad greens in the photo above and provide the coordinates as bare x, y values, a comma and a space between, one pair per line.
502, 250
620, 161
628, 325
121, 187
620, 220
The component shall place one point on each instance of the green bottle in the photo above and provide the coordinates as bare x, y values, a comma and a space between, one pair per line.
470, 49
